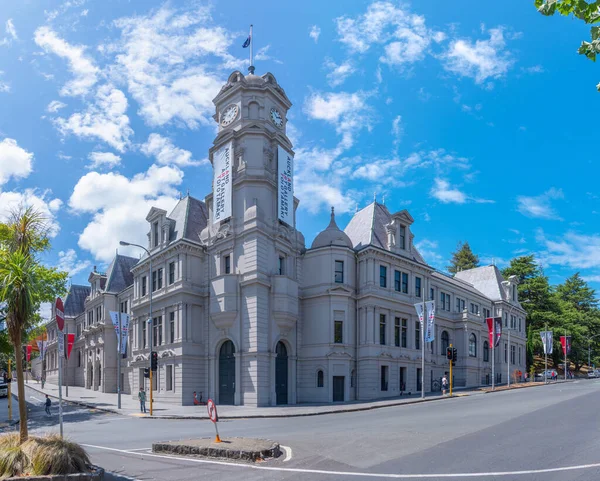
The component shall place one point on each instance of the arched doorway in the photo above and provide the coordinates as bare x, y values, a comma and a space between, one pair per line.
227, 373
281, 374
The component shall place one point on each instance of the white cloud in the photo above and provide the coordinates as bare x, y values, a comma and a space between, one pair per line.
162, 56
314, 33
263, 54
534, 69
381, 171
317, 196
11, 33
540, 206
119, 206
404, 36
166, 153
338, 73
576, 251
428, 250
446, 194
103, 159
397, 129
68, 262
15, 161
348, 112
82, 66
55, 106
42, 201
105, 119
480, 60
4, 87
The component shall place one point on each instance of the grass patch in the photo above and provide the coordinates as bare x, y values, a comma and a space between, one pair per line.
41, 456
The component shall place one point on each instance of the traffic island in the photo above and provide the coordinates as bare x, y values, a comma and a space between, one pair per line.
243, 449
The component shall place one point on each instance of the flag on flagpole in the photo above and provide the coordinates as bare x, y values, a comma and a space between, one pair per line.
430, 330
248, 41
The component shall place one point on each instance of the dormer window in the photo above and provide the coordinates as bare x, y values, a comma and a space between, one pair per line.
402, 237
155, 233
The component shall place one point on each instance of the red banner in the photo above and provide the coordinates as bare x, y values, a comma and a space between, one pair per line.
70, 342
490, 324
28, 353
565, 342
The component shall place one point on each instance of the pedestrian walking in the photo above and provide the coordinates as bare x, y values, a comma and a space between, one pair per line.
142, 398
444, 385
48, 404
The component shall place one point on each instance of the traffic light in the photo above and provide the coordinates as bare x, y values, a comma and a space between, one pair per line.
154, 360
449, 353
454, 355
146, 372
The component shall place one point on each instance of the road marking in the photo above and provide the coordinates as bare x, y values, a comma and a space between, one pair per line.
353, 473
33, 397
288, 452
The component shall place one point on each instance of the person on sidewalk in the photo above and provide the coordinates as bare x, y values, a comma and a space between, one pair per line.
142, 398
444, 385
48, 404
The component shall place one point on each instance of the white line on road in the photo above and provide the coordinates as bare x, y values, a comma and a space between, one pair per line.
357, 474
33, 397
288, 452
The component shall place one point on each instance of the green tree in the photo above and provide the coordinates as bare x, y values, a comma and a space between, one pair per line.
24, 284
588, 12
463, 258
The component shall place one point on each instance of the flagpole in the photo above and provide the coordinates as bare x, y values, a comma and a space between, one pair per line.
566, 347
546, 355
493, 347
423, 325
251, 50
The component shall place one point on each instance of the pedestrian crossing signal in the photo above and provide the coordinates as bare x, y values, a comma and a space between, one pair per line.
154, 360
454, 355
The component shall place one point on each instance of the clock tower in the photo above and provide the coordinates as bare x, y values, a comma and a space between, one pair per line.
253, 247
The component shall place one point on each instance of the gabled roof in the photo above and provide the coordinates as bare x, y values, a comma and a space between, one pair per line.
368, 227
486, 279
456, 282
75, 301
190, 217
119, 274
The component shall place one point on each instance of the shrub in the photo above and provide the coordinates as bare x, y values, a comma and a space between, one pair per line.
41, 456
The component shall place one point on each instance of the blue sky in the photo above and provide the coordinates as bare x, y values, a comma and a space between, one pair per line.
477, 117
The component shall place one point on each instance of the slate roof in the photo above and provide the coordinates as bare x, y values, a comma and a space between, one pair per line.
486, 279
119, 274
332, 235
74, 303
190, 217
367, 227
460, 283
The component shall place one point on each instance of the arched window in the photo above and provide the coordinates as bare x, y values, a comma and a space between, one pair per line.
472, 345
486, 351
320, 378
445, 342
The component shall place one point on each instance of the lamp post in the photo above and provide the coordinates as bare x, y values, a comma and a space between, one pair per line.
590, 350
123, 243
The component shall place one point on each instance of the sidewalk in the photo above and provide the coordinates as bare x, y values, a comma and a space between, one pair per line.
131, 407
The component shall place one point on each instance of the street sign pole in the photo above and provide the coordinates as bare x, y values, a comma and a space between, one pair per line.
212, 414
60, 322
566, 349
119, 366
493, 350
66, 354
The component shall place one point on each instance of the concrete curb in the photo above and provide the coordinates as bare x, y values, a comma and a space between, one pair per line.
223, 451
78, 403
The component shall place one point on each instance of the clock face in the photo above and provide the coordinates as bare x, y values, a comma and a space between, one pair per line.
276, 117
229, 114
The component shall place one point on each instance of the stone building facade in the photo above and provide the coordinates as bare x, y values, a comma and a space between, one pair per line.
243, 312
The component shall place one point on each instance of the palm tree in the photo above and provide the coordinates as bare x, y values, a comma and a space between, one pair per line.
24, 285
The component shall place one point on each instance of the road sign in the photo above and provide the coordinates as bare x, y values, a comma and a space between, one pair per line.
60, 314
212, 411
212, 414
61, 343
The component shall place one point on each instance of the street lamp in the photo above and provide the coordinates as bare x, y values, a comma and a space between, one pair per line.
590, 349
123, 243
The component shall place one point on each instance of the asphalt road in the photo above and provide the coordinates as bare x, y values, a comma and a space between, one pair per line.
545, 433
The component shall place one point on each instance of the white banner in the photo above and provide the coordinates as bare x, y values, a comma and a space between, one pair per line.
547, 341
430, 330
222, 181
114, 317
42, 348
285, 188
420, 312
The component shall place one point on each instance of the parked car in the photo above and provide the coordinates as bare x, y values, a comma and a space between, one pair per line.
549, 374
3, 389
592, 374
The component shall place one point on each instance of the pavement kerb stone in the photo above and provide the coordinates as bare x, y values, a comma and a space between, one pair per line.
243, 449
78, 403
